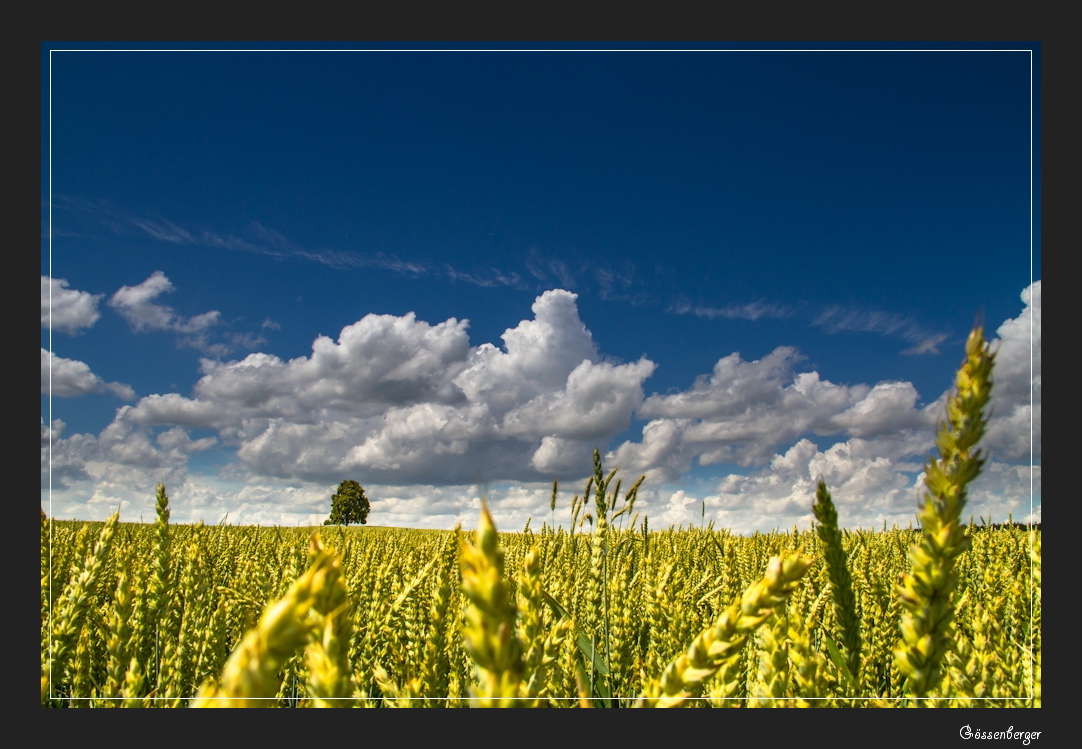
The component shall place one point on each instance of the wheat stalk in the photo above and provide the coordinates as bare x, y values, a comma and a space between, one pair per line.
250, 677
489, 630
715, 645
841, 581
926, 590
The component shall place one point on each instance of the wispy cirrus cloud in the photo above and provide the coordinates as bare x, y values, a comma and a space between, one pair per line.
485, 278
273, 242
622, 283
547, 270
837, 319
927, 346
749, 311
833, 319
166, 231
266, 241
263, 240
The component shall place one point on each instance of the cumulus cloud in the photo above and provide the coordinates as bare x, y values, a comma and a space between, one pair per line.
1015, 426
137, 305
170, 409
662, 451
122, 454
869, 486
65, 309
378, 362
423, 416
886, 408
745, 410
562, 457
596, 401
69, 378
1003, 489
399, 399
538, 355
679, 510
875, 476
89, 481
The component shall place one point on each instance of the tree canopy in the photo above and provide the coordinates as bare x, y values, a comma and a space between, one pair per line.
349, 505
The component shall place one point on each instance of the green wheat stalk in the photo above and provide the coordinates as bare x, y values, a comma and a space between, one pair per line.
841, 581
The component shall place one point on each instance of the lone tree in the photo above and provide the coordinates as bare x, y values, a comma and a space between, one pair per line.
348, 505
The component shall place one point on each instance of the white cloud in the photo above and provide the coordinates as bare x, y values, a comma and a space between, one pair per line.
539, 355
98, 487
836, 319
661, 452
679, 510
926, 346
169, 409
1003, 490
67, 310
69, 378
1014, 434
561, 456
597, 400
136, 305
746, 410
750, 311
888, 407
398, 399
379, 361
1018, 365
868, 488
179, 444
734, 387
121, 454
411, 408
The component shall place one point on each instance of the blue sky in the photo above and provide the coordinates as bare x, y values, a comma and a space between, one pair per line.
265, 272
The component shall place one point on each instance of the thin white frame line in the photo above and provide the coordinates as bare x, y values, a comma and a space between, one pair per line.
1032, 595
513, 49
50, 338
1030, 51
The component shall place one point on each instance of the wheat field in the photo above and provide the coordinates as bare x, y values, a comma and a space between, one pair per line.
609, 613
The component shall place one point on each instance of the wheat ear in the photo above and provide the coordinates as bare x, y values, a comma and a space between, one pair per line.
841, 581
251, 675
926, 590
489, 630
715, 645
